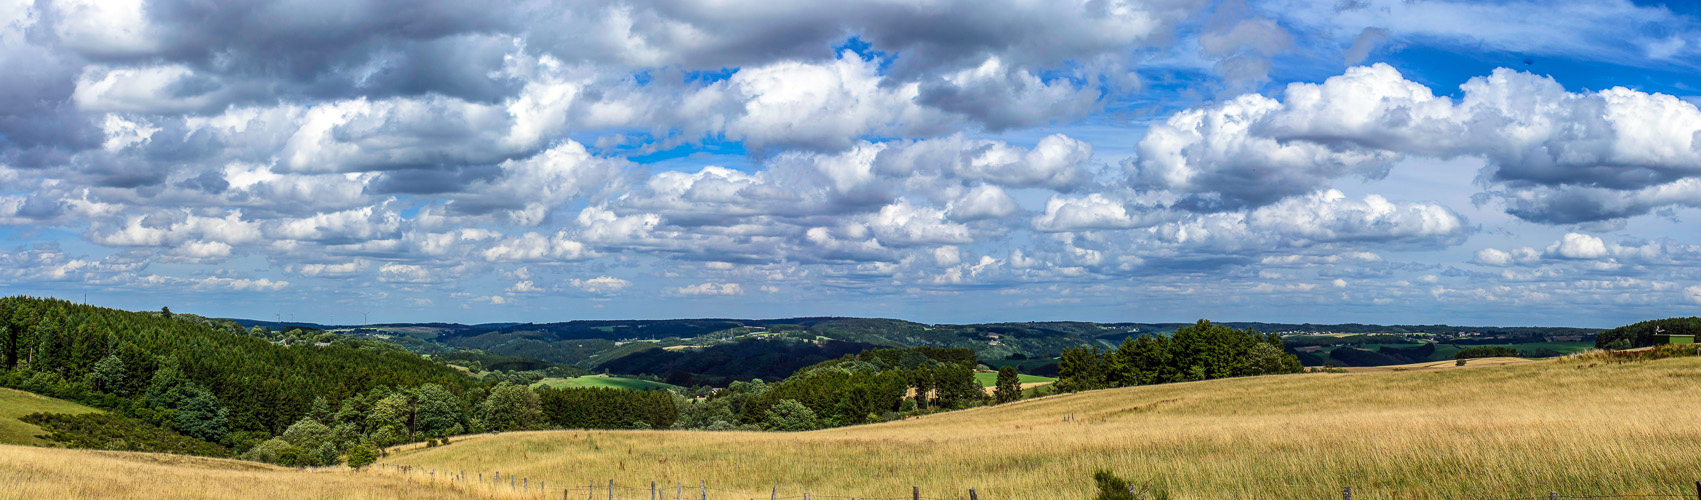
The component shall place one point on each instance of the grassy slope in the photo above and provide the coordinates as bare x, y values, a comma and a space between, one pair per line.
991, 379
59, 474
1488, 432
603, 381
14, 404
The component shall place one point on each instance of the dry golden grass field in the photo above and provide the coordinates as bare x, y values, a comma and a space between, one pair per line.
28, 473
1576, 426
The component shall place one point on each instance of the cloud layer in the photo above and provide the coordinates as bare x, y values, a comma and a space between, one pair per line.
611, 154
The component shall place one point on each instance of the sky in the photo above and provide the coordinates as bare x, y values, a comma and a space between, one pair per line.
347, 161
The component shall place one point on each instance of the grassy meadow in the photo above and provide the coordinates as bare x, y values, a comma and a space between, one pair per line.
602, 381
1580, 426
30, 473
1573, 425
14, 404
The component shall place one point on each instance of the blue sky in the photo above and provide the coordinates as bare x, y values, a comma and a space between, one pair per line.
1390, 161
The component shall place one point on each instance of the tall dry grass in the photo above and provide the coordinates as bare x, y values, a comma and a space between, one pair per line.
1579, 426
29, 473
1573, 426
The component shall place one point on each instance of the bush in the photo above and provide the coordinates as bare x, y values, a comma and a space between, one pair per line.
361, 455
271, 451
242, 441
327, 454
1115, 488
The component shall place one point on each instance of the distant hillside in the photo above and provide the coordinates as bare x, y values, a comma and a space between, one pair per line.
53, 346
689, 350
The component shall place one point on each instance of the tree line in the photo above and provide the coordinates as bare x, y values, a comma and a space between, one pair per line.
1200, 351
871, 386
1642, 334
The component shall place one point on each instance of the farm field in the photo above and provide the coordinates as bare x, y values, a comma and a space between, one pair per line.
1576, 427
991, 379
1023, 365
603, 381
14, 404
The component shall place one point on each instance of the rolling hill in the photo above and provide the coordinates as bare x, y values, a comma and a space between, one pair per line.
1581, 426
1577, 426
695, 351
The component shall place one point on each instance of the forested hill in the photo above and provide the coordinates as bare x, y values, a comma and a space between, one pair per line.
254, 384
595, 344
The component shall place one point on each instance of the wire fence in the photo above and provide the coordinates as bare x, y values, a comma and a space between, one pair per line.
1347, 494
496, 485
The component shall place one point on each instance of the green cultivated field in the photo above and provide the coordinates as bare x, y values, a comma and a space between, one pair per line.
603, 381
991, 379
15, 404
1023, 365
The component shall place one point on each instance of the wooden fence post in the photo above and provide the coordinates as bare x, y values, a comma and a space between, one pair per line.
703, 489
611, 489
915, 492
1552, 495
1347, 493
593, 494
776, 494
678, 491
652, 490
1698, 490
564, 493
972, 494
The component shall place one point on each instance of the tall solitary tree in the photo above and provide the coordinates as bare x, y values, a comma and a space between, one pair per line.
1009, 385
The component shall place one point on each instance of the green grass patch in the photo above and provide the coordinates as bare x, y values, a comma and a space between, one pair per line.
991, 379
1022, 365
14, 404
604, 381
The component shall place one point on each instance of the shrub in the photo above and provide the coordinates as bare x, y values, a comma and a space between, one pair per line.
327, 454
270, 451
361, 455
111, 431
1115, 488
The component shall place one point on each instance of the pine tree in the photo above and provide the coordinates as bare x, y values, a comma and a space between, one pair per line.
1009, 385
